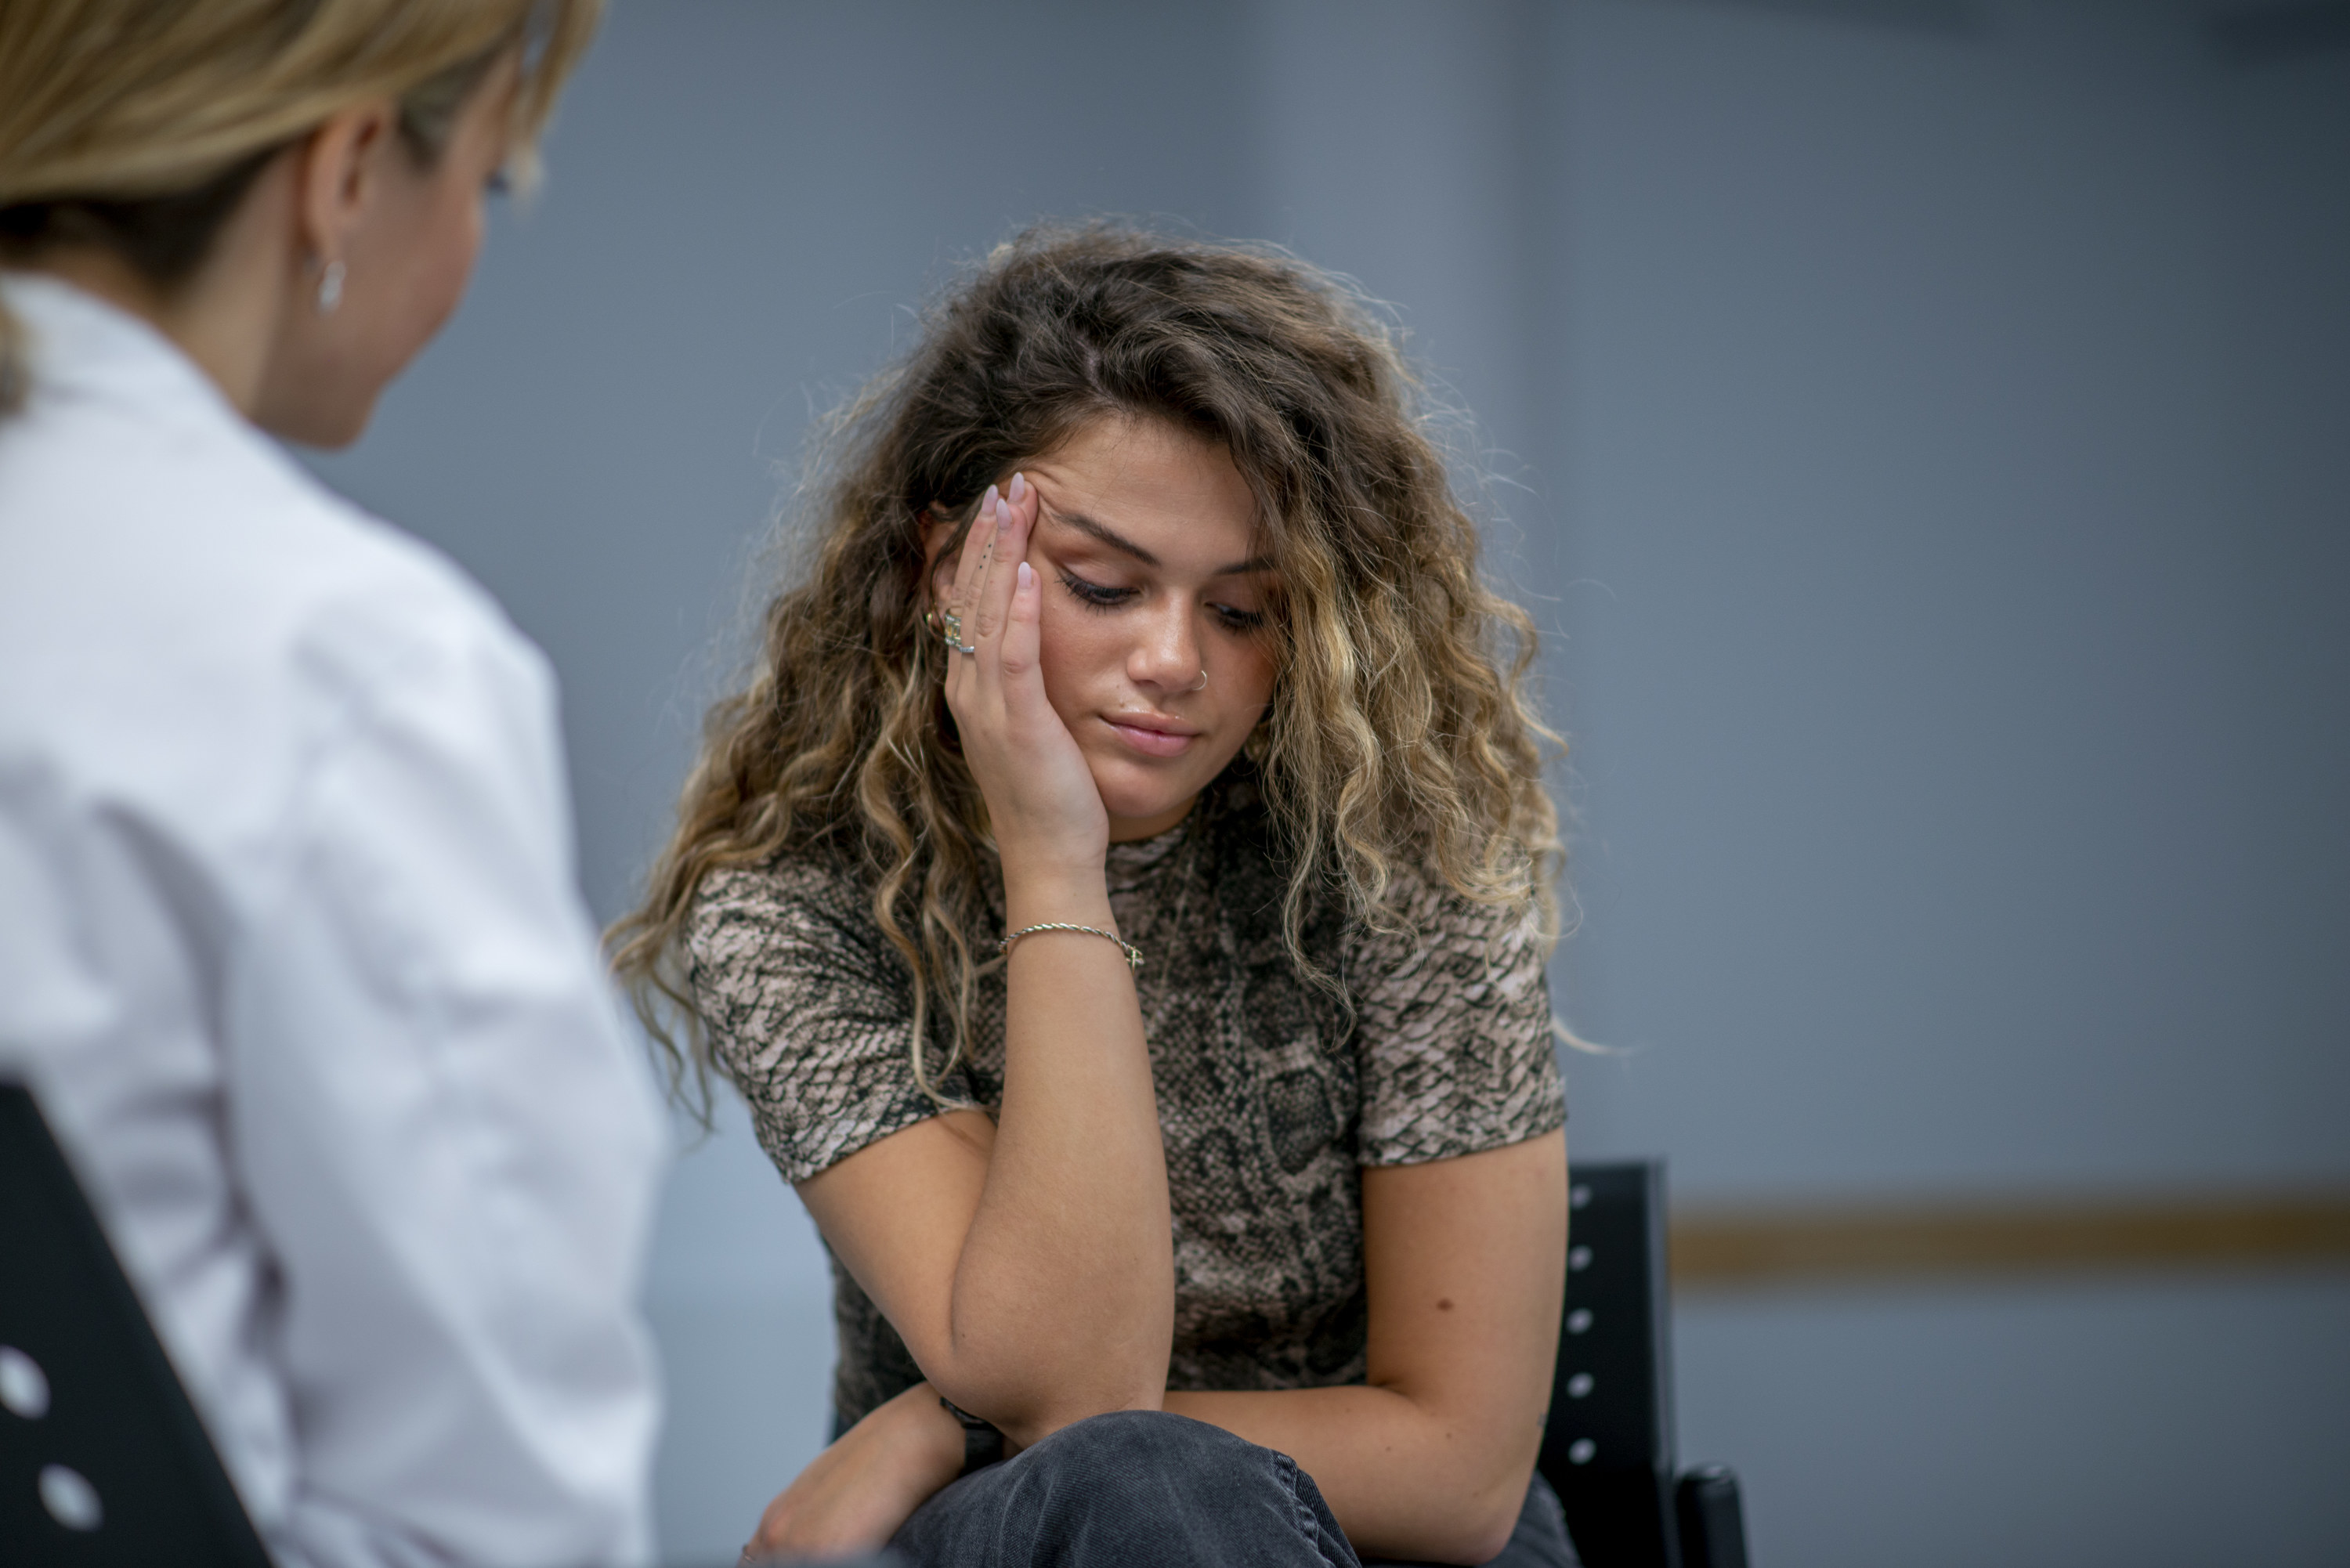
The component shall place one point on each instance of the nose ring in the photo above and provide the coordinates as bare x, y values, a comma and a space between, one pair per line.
1202, 686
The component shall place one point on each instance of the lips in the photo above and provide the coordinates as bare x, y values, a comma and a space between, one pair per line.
1151, 735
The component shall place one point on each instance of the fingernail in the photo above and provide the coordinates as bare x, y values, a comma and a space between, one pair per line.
1019, 486
987, 502
1027, 574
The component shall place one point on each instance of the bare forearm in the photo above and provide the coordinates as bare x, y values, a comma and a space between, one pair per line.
1064, 1294
1405, 1479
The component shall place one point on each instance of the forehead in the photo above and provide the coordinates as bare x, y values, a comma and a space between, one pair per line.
1161, 487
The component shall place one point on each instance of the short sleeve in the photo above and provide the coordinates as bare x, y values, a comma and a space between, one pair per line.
1453, 1030
809, 1010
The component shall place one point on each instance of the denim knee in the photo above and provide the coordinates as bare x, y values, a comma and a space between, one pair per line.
1133, 1488
1125, 1445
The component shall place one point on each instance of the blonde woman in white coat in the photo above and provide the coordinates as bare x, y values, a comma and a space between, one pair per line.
289, 945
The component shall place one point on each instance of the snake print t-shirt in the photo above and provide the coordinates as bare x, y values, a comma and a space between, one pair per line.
1270, 1097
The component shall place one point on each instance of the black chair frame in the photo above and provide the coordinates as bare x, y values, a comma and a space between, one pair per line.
1608, 1448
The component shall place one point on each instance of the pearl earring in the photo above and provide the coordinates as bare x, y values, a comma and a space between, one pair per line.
330, 288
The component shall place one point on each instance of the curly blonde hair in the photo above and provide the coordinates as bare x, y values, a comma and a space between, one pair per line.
1400, 730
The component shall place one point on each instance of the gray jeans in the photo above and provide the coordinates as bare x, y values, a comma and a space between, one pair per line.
1147, 1488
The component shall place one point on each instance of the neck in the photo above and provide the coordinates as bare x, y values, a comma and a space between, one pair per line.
1132, 829
224, 318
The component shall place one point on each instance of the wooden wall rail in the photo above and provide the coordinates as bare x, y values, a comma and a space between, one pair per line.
1714, 1250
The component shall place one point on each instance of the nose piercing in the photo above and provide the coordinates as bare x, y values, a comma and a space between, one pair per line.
1202, 686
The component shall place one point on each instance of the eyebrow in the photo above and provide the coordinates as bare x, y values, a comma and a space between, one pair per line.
1119, 542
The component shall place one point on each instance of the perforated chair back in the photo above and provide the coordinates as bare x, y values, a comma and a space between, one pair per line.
103, 1461
1609, 1448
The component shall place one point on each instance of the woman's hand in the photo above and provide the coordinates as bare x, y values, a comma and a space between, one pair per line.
1042, 802
855, 1495
1025, 1260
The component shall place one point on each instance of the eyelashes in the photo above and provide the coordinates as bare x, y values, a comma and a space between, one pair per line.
1095, 597
1094, 594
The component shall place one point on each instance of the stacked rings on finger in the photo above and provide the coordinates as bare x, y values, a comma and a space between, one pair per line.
951, 628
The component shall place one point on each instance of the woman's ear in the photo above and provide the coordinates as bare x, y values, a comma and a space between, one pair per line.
939, 532
339, 170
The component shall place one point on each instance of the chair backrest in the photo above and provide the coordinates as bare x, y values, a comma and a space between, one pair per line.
103, 1461
1609, 1448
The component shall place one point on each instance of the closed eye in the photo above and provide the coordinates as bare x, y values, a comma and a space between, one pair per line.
1094, 594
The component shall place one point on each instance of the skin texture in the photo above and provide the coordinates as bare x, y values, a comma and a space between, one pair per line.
1025, 1260
1144, 631
353, 191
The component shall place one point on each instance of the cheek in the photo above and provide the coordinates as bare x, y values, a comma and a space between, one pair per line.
447, 236
456, 243
1251, 678
1074, 652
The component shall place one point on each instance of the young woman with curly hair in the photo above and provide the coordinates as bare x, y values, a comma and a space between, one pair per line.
1122, 895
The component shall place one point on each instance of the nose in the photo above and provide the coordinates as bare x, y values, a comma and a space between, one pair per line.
1166, 655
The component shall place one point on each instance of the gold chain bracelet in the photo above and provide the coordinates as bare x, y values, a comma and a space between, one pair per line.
1133, 953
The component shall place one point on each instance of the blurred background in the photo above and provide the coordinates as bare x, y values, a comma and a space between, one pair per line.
1922, 430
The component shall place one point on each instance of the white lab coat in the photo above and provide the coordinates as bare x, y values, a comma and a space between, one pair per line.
291, 952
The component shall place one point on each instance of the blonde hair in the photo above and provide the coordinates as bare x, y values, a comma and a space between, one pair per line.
109, 106
1400, 733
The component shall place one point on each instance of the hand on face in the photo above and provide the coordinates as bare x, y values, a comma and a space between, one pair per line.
1152, 649
1157, 650
1040, 798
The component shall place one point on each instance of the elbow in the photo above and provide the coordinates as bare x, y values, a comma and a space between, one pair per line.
1064, 1401
1032, 1425
1485, 1535
1470, 1535
1028, 1411
1032, 1365
1031, 1390
1485, 1516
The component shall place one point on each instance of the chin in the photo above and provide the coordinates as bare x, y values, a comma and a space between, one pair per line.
1138, 799
1133, 806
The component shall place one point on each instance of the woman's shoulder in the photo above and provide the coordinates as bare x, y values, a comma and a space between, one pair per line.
1422, 912
808, 878
808, 1008
199, 634
1456, 1029
795, 894
127, 464
773, 932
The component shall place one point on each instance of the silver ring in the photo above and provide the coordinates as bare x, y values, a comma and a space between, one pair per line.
951, 628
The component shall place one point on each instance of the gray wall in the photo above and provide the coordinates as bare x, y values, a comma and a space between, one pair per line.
1920, 428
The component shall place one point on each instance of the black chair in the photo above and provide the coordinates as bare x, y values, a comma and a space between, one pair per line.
103, 1460
1609, 1448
